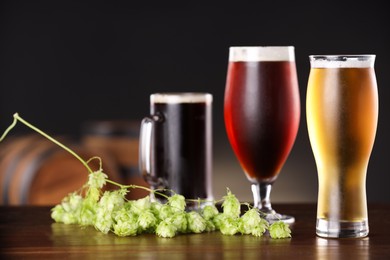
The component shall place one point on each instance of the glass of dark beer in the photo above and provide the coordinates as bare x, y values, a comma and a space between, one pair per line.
262, 113
176, 145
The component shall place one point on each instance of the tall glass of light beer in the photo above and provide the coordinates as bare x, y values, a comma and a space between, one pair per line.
342, 115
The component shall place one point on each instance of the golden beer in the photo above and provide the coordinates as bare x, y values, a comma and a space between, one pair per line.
342, 114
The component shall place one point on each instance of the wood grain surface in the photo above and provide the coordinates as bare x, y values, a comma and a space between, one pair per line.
28, 232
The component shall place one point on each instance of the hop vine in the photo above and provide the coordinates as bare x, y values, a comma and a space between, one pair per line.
110, 211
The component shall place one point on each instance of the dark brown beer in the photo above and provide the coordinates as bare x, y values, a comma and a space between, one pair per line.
182, 143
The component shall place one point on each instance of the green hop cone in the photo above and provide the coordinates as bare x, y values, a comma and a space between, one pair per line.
122, 228
231, 205
68, 211
103, 221
179, 220
177, 202
209, 211
155, 207
217, 220
279, 229
93, 194
165, 212
196, 223
72, 202
260, 229
229, 225
69, 218
124, 215
147, 220
252, 220
111, 200
210, 226
97, 179
125, 223
87, 213
138, 206
57, 213
166, 229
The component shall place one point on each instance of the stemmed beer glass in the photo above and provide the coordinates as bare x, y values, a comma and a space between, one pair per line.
262, 113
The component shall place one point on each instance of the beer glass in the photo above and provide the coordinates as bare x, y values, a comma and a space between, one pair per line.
176, 145
262, 113
342, 114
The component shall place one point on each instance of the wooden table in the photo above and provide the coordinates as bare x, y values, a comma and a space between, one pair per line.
29, 232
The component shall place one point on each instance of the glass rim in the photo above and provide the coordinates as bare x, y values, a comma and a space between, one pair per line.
261, 46
342, 61
181, 97
261, 53
343, 57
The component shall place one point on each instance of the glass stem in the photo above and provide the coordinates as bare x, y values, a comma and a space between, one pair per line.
261, 197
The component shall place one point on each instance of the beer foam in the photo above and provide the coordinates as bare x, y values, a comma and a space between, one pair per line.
342, 61
262, 53
187, 97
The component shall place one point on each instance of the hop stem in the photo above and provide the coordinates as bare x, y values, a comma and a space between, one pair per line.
9, 128
18, 118
133, 186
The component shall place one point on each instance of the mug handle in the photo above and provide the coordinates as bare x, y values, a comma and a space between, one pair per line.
146, 144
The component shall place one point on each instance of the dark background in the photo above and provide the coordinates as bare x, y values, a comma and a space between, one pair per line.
63, 63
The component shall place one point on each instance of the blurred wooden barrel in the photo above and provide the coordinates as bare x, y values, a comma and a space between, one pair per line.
120, 139
35, 171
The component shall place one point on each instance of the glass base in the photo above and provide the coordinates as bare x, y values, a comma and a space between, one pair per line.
341, 229
274, 217
261, 200
196, 206
190, 205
